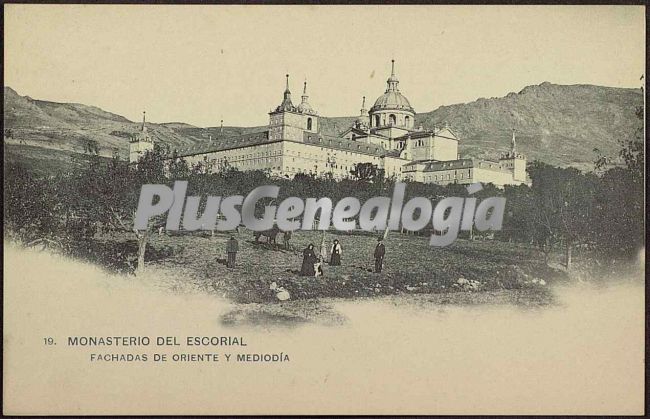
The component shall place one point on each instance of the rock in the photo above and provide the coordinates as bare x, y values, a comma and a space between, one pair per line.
283, 295
473, 284
280, 293
462, 281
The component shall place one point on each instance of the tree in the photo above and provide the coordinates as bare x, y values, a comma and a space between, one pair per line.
632, 150
107, 192
91, 147
367, 172
563, 207
620, 200
31, 211
517, 223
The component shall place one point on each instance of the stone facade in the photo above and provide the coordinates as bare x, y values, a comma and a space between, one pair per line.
383, 136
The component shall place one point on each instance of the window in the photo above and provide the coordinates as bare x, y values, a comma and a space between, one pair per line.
309, 125
377, 123
407, 120
392, 120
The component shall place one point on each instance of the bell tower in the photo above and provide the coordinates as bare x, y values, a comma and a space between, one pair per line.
289, 122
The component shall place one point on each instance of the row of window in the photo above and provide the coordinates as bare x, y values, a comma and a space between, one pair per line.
447, 176
392, 120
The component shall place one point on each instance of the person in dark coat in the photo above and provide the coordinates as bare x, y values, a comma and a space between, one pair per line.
287, 240
232, 247
380, 251
308, 260
336, 254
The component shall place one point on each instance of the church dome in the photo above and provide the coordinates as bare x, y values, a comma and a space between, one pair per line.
392, 100
305, 107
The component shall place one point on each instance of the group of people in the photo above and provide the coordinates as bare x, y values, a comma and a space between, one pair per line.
311, 263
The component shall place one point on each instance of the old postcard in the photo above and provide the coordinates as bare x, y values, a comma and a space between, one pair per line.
379, 209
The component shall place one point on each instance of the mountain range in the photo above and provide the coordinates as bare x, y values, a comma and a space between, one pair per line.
557, 124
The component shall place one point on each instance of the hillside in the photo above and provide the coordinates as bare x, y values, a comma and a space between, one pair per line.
557, 124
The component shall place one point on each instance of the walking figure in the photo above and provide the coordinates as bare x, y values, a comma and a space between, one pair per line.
286, 238
232, 248
380, 251
308, 261
336, 254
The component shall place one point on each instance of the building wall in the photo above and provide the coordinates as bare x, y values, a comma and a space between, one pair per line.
393, 166
444, 149
392, 131
445, 177
290, 126
377, 140
421, 148
403, 118
518, 167
138, 149
311, 158
258, 157
499, 178
458, 172
520, 170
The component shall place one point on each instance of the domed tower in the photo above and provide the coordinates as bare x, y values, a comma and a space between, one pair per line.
392, 109
362, 120
310, 114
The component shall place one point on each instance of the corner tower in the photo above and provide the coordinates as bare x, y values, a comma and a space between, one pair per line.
515, 162
140, 143
288, 122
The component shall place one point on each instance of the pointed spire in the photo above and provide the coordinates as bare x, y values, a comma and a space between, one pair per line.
513, 144
305, 96
286, 104
363, 120
144, 120
392, 80
221, 127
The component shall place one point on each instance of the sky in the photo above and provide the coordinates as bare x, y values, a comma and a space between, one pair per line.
200, 64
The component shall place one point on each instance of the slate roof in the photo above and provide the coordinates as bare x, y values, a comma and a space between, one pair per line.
463, 164
219, 144
343, 144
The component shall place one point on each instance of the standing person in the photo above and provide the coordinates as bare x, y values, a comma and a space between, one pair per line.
232, 247
336, 254
308, 261
286, 238
380, 251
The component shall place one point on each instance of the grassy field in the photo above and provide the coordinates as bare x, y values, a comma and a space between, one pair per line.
505, 272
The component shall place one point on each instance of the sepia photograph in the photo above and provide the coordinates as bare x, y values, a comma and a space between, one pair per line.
324, 209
